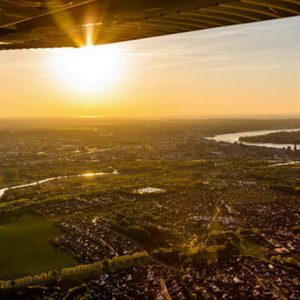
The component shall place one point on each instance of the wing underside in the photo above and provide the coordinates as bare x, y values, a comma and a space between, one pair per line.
28, 24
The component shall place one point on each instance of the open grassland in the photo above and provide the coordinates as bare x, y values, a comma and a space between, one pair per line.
25, 249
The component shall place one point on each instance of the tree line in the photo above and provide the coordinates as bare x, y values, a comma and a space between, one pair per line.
106, 265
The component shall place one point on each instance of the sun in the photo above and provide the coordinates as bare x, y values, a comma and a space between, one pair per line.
88, 69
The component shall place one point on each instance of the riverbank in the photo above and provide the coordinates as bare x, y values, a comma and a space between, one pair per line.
282, 137
4, 190
236, 138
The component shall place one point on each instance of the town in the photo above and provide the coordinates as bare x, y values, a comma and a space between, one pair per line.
148, 210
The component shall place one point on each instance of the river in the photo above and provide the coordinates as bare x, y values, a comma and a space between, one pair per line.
227, 138
4, 190
234, 138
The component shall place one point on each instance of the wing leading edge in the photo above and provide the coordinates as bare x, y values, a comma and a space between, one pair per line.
28, 24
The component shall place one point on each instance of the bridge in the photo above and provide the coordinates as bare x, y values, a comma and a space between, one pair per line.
73, 23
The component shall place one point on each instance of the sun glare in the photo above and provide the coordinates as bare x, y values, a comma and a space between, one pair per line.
88, 69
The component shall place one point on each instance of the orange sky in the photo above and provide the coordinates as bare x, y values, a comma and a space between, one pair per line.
247, 70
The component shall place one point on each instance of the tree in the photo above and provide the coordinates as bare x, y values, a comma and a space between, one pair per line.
106, 264
138, 233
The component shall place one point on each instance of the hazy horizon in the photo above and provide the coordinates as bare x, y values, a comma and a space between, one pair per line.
246, 71
160, 118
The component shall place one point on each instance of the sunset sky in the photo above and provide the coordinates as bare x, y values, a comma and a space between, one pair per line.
246, 70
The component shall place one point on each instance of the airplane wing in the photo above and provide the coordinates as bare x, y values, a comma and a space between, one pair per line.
28, 24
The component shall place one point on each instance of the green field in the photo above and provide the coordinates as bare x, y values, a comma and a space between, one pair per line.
25, 249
